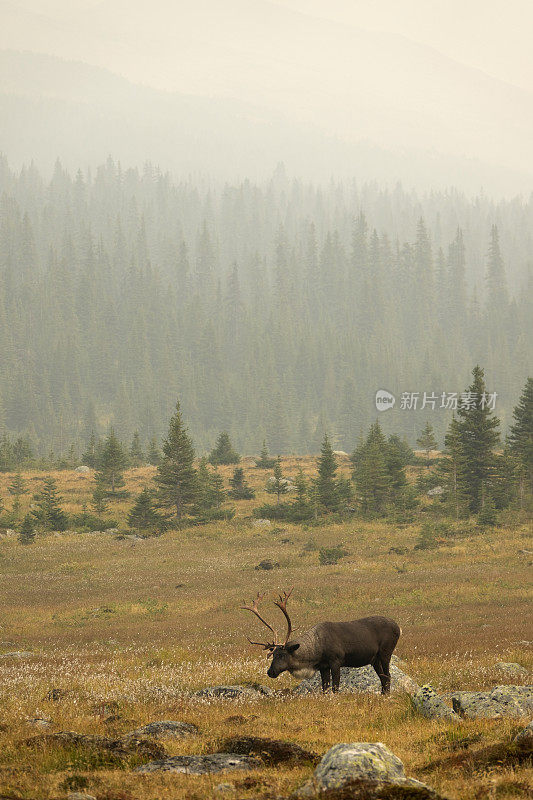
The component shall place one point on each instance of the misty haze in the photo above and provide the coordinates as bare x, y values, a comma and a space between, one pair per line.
266, 304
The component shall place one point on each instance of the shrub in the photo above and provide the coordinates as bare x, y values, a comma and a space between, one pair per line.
91, 522
331, 555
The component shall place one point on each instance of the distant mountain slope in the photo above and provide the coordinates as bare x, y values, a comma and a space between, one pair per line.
352, 83
53, 108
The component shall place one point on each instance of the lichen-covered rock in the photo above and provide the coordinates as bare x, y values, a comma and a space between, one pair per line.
17, 654
370, 763
234, 692
362, 679
122, 748
524, 739
201, 765
431, 705
270, 751
511, 668
502, 701
166, 728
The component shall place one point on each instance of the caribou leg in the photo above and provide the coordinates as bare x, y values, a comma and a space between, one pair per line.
325, 674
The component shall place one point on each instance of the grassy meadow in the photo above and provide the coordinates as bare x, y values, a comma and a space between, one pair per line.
123, 630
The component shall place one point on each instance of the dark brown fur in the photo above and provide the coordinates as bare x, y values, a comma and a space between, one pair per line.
329, 646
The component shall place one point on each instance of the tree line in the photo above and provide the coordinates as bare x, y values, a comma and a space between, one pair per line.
475, 476
273, 311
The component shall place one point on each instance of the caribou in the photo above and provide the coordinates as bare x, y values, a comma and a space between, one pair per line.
328, 646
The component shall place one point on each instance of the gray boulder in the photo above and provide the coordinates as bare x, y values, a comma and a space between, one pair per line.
166, 728
362, 679
435, 492
17, 654
234, 692
80, 796
524, 739
502, 701
82, 470
431, 705
370, 766
201, 765
261, 523
511, 668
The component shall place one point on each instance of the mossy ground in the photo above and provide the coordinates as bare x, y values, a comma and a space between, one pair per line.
123, 630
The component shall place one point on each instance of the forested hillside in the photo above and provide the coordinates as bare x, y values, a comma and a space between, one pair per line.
273, 311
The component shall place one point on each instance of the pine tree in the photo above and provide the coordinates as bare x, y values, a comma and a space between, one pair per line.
450, 470
144, 516
112, 464
176, 476
521, 437
27, 531
426, 441
91, 456
17, 488
99, 502
210, 489
240, 490
265, 462
137, 457
395, 460
277, 484
154, 454
223, 452
326, 482
48, 512
478, 437
370, 473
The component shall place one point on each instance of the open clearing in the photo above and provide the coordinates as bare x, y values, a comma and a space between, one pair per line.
120, 631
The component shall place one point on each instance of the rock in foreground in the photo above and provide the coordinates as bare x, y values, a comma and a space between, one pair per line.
119, 749
366, 770
363, 679
431, 705
234, 692
524, 739
502, 701
270, 751
201, 765
166, 728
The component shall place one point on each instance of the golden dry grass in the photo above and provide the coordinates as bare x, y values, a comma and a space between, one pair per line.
140, 624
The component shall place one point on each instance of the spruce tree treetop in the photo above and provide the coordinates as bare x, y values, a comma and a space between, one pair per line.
223, 452
521, 432
176, 476
426, 441
479, 436
326, 483
48, 511
136, 451
112, 464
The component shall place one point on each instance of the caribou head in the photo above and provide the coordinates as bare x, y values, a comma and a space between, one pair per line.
281, 652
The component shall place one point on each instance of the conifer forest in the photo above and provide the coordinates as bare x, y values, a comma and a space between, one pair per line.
274, 310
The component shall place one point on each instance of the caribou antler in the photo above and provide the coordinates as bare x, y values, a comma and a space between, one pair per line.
254, 609
282, 605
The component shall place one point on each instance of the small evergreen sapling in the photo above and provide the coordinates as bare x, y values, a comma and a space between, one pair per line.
136, 455
277, 484
240, 490
112, 464
265, 462
99, 502
144, 516
223, 452
426, 441
176, 478
48, 512
27, 532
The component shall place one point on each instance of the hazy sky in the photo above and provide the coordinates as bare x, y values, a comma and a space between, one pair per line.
486, 34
